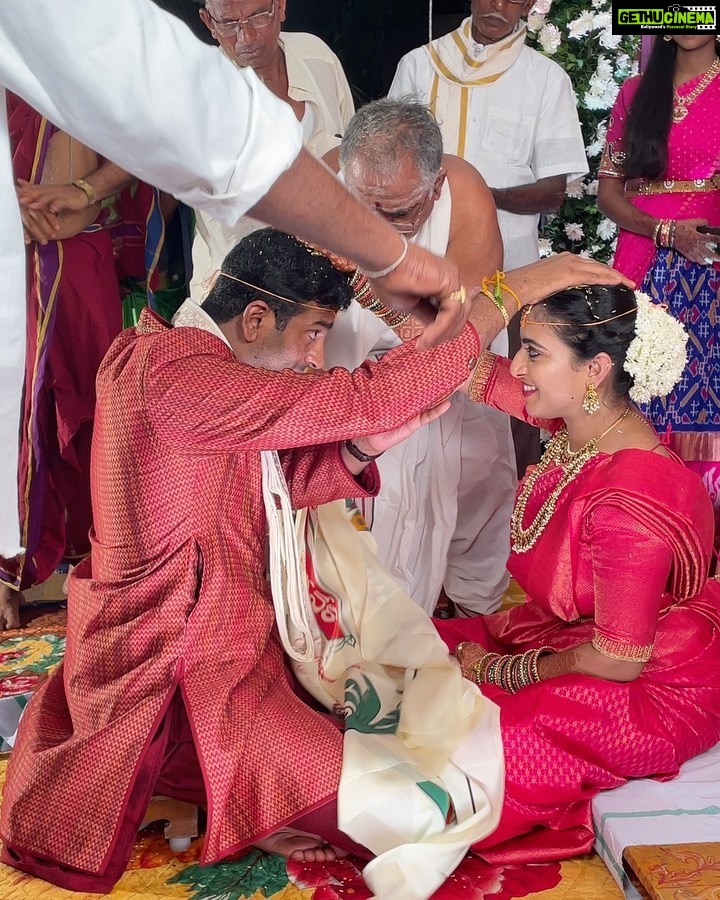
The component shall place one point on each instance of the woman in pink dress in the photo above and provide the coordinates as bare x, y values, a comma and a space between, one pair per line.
611, 669
660, 182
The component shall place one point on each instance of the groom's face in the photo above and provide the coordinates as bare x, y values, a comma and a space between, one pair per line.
492, 20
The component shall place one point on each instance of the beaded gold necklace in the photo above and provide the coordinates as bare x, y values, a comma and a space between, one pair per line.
681, 103
558, 451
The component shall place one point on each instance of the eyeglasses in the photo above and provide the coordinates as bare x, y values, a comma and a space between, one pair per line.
230, 27
404, 221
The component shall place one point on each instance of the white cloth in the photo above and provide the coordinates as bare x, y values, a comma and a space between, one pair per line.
418, 737
520, 128
316, 78
110, 74
438, 521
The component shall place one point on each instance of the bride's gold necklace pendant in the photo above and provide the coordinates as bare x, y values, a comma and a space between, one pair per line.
558, 452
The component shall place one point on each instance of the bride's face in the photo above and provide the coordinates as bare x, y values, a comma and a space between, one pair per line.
554, 382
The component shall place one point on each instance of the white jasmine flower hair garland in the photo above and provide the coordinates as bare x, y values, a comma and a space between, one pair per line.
657, 355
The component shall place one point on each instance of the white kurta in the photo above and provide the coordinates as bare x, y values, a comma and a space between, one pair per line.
521, 128
110, 74
316, 78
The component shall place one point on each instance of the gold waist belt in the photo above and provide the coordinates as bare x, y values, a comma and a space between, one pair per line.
697, 185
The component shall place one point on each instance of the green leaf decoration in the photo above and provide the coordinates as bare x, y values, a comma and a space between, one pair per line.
238, 880
362, 705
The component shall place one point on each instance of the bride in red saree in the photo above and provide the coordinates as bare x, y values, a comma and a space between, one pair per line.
611, 669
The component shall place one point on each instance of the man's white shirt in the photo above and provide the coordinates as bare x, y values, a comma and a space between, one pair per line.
521, 128
130, 81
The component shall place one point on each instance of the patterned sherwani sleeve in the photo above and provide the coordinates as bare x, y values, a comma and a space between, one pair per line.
495, 386
202, 401
317, 475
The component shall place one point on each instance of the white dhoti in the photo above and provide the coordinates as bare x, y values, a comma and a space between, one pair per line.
442, 517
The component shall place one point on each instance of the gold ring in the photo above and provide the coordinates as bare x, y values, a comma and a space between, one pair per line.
459, 295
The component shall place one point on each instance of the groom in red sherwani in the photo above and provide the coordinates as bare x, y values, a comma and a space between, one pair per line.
172, 660
174, 679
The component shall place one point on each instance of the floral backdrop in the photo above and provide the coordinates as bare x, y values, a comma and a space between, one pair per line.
577, 35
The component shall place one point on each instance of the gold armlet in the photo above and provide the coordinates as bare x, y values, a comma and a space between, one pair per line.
481, 376
623, 652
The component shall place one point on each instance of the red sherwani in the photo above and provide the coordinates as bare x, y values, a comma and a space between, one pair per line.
175, 594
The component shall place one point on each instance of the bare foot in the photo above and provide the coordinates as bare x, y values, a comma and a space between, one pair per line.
301, 846
10, 601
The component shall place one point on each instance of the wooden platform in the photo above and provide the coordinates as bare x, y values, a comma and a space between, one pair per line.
675, 872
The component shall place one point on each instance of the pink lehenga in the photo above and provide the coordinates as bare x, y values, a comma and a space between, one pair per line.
624, 560
689, 189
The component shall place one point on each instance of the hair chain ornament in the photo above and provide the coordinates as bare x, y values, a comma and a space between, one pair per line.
262, 290
529, 309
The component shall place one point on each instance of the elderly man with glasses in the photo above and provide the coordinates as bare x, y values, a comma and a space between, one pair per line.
392, 158
511, 112
299, 69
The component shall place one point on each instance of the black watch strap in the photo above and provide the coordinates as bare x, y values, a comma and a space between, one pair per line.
358, 454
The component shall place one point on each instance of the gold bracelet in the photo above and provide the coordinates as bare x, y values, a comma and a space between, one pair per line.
509, 290
497, 282
498, 304
86, 188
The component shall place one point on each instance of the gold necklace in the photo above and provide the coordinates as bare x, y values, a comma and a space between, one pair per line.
680, 104
558, 451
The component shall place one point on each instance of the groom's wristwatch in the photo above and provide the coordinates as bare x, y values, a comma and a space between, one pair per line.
358, 454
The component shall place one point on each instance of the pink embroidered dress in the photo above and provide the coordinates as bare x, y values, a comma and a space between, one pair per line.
691, 291
623, 561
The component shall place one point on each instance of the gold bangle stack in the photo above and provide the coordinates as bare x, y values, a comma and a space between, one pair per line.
493, 289
364, 296
499, 306
664, 233
511, 671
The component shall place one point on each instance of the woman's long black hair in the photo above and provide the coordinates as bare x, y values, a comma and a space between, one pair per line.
650, 115
592, 319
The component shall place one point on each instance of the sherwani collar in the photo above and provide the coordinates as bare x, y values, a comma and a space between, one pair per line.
192, 315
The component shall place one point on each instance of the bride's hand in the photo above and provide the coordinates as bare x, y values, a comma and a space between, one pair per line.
467, 654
